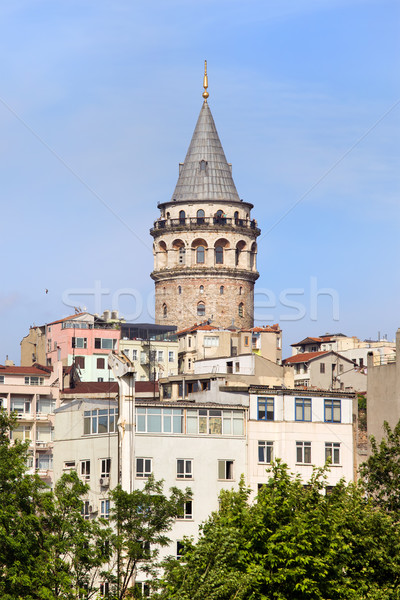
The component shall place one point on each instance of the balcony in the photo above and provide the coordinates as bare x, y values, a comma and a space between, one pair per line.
197, 223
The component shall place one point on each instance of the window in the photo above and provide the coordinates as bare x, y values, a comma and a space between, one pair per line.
44, 434
101, 363
189, 342
69, 465
219, 255
171, 356
303, 409
246, 340
201, 309
210, 341
200, 215
179, 289
265, 452
201, 289
240, 309
303, 452
1, 378
240, 291
181, 258
203, 166
160, 356
221, 290
20, 406
159, 420
80, 362
105, 467
85, 469
332, 411
225, 469
21, 433
45, 406
184, 468
104, 588
214, 422
189, 364
322, 367
85, 510
182, 217
143, 467
332, 452
265, 409
44, 462
105, 509
179, 550
200, 255
104, 343
134, 354
142, 589
340, 368
100, 421
78, 342
187, 510
33, 380
165, 311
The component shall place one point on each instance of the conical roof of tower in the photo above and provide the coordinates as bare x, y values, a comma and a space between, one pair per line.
210, 180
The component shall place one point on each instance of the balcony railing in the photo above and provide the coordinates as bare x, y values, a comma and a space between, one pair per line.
204, 222
385, 359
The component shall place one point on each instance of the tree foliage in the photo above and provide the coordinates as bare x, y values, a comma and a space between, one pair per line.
381, 472
49, 551
292, 542
142, 519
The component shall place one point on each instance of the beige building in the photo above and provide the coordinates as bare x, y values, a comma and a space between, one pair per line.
205, 240
33, 346
327, 370
206, 341
383, 402
32, 393
152, 349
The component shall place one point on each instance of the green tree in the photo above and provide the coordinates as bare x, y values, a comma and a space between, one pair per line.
47, 549
380, 474
142, 519
293, 542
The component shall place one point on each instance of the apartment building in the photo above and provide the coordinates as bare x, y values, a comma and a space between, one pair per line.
32, 394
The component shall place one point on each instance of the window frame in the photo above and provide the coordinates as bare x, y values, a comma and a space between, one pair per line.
185, 473
143, 473
333, 451
302, 447
331, 406
267, 401
267, 448
200, 255
299, 402
227, 466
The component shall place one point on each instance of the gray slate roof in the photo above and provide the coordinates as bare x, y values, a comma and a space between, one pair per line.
213, 183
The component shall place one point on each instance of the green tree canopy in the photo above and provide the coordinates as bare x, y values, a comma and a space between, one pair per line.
292, 542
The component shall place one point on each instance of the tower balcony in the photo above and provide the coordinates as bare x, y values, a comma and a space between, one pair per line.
203, 223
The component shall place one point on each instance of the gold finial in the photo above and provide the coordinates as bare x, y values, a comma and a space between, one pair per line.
205, 82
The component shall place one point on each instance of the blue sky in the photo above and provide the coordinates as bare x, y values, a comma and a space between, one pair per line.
98, 103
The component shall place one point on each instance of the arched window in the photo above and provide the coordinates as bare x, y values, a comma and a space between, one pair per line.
182, 216
201, 309
253, 253
200, 216
221, 290
240, 290
179, 289
240, 311
203, 166
165, 310
236, 217
182, 256
219, 255
201, 289
200, 255
219, 218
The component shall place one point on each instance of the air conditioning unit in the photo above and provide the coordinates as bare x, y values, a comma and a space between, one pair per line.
105, 481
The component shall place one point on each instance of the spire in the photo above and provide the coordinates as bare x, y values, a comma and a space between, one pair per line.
205, 174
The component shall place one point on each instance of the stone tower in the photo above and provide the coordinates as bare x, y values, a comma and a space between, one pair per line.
205, 240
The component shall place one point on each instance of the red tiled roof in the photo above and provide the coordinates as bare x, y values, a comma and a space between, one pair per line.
195, 327
69, 318
34, 370
273, 328
303, 357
